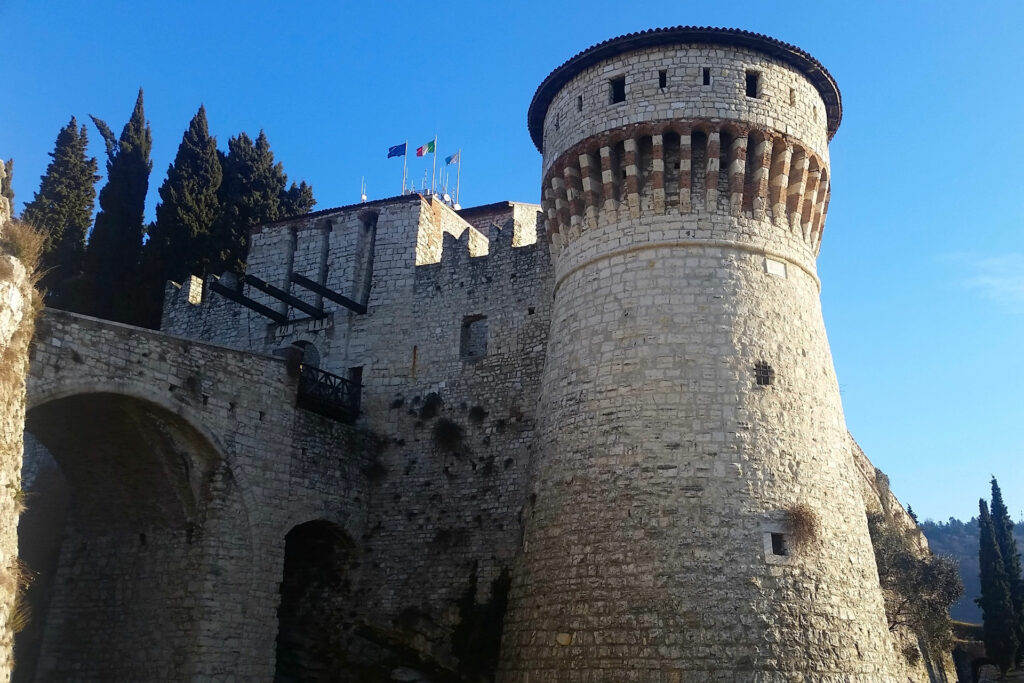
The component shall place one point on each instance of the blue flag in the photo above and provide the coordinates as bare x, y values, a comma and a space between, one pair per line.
452, 159
397, 150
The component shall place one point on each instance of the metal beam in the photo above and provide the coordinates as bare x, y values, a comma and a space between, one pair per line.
249, 303
303, 281
281, 295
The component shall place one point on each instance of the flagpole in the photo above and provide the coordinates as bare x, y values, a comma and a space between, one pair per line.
434, 169
458, 176
405, 157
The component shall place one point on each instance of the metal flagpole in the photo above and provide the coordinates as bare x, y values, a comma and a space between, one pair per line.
434, 169
405, 158
458, 176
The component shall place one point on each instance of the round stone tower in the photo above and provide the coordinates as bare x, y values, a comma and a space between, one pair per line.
694, 514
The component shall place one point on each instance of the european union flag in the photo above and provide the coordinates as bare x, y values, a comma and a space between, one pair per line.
397, 150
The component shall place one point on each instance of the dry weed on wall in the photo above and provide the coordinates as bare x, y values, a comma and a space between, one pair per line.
20, 248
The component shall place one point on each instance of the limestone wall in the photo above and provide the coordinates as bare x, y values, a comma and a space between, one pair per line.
786, 101
16, 321
689, 406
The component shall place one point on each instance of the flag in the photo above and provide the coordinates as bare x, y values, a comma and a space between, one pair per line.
425, 149
397, 150
448, 161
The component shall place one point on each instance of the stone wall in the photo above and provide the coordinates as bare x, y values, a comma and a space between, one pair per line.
17, 311
690, 409
429, 494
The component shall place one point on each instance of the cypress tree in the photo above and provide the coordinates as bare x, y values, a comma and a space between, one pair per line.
1000, 622
180, 241
1003, 527
6, 189
112, 255
254, 191
62, 210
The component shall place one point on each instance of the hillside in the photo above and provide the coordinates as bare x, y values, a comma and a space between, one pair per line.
960, 540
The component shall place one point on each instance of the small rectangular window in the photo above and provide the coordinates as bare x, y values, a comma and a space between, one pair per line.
752, 83
706, 76
473, 341
792, 97
764, 374
579, 103
617, 89
663, 79
779, 546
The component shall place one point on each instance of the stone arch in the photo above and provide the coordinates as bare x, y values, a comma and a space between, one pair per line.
310, 353
152, 493
316, 585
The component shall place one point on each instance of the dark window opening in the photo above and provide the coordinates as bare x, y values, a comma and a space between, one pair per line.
617, 87
531, 310
579, 103
473, 341
662, 79
792, 97
310, 354
779, 546
558, 121
764, 373
706, 76
355, 375
752, 83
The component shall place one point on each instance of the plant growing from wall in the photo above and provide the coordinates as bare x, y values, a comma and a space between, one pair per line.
803, 523
918, 588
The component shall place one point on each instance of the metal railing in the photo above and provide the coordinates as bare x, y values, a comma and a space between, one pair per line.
328, 394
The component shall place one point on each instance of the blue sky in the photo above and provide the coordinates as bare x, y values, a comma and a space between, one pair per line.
923, 257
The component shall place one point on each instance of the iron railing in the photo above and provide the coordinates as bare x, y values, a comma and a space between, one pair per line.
328, 394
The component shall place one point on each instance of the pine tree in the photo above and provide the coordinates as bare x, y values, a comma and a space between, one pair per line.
912, 514
6, 188
180, 241
112, 255
62, 209
1003, 527
1000, 621
254, 191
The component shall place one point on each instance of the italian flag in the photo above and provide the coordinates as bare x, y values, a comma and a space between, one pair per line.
425, 149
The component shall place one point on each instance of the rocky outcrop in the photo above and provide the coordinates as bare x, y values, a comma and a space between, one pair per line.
17, 298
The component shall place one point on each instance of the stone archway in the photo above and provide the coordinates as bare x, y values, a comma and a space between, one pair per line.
129, 588
315, 593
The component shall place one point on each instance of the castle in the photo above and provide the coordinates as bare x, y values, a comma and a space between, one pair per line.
604, 432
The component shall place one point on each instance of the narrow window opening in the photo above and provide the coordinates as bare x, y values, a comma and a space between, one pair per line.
764, 374
792, 97
663, 79
579, 103
779, 545
753, 79
531, 310
706, 76
473, 341
558, 120
617, 88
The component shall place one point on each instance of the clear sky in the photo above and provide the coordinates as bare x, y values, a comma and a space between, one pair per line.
923, 257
